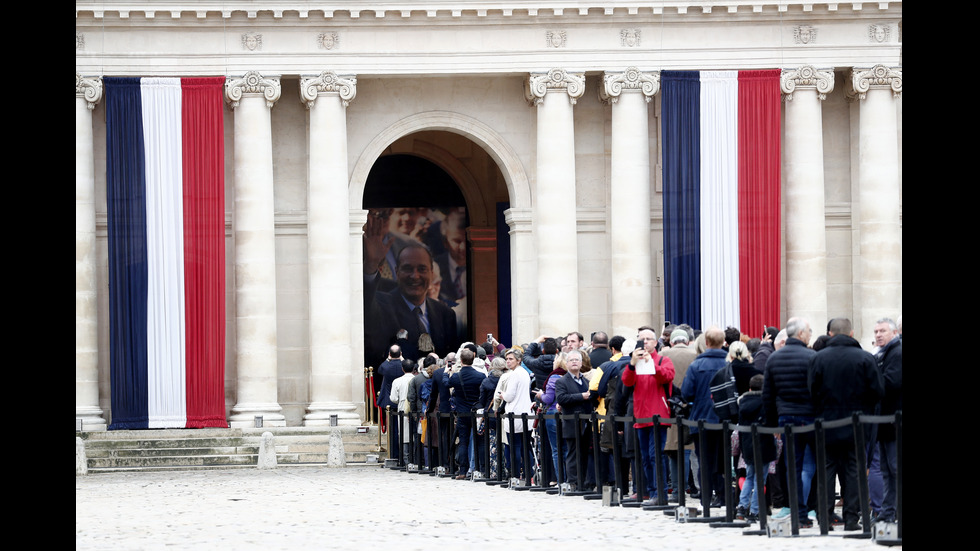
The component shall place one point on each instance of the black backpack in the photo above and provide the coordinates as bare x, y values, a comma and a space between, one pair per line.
723, 394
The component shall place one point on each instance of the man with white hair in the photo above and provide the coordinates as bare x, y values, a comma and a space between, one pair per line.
889, 359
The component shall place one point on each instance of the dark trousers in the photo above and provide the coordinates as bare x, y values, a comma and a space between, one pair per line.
577, 456
842, 461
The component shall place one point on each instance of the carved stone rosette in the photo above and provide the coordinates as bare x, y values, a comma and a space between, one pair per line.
253, 83
89, 88
555, 80
806, 77
328, 81
632, 78
878, 76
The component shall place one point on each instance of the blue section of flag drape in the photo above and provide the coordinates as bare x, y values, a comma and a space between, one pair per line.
681, 103
126, 220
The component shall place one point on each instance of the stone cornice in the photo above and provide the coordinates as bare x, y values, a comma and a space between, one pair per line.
443, 9
328, 81
89, 88
632, 78
877, 77
555, 80
252, 83
806, 78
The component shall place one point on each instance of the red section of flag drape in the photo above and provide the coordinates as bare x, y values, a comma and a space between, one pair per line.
759, 199
204, 246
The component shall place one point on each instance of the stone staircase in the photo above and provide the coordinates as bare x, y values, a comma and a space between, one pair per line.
183, 449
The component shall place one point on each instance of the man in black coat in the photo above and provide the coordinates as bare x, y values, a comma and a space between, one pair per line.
889, 359
843, 379
573, 395
390, 370
465, 385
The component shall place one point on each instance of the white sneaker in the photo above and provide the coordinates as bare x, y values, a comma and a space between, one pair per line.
784, 512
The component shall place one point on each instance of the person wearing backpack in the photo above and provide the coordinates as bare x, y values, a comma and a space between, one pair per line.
697, 390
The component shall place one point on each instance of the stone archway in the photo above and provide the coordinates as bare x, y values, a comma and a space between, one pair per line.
481, 202
518, 187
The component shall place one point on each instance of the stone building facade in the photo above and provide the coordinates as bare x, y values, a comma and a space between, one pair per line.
510, 98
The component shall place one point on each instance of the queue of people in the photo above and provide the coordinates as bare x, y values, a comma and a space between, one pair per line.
456, 415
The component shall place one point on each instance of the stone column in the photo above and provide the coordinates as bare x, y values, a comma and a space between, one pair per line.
252, 98
524, 279
556, 238
331, 370
355, 268
88, 92
806, 235
879, 223
631, 290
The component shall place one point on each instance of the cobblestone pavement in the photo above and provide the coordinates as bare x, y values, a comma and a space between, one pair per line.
358, 507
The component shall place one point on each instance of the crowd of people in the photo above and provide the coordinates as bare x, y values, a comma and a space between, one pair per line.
456, 404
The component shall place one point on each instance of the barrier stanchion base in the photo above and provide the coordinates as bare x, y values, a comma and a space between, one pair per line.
733, 524
754, 532
553, 491
652, 507
707, 520
886, 533
860, 536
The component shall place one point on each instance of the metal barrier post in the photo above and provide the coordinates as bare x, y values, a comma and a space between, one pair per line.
898, 472
525, 464
560, 441
596, 465
862, 472
820, 480
639, 477
794, 500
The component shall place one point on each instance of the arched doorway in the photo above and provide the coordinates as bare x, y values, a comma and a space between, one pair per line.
444, 191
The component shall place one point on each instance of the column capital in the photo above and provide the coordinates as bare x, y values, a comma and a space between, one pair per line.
878, 77
632, 78
310, 87
89, 88
806, 77
252, 83
555, 80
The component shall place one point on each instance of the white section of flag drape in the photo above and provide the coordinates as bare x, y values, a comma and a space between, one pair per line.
166, 400
719, 199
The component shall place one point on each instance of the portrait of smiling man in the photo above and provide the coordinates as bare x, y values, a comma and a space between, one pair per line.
404, 315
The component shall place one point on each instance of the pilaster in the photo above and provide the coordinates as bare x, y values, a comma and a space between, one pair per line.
88, 92
332, 371
554, 94
877, 90
806, 237
252, 97
631, 287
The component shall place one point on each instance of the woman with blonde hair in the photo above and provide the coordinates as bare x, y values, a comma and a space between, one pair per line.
742, 367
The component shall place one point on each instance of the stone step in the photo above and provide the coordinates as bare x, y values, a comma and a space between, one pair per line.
174, 449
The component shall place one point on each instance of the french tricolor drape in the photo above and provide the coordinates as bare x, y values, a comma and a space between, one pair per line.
165, 207
721, 192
